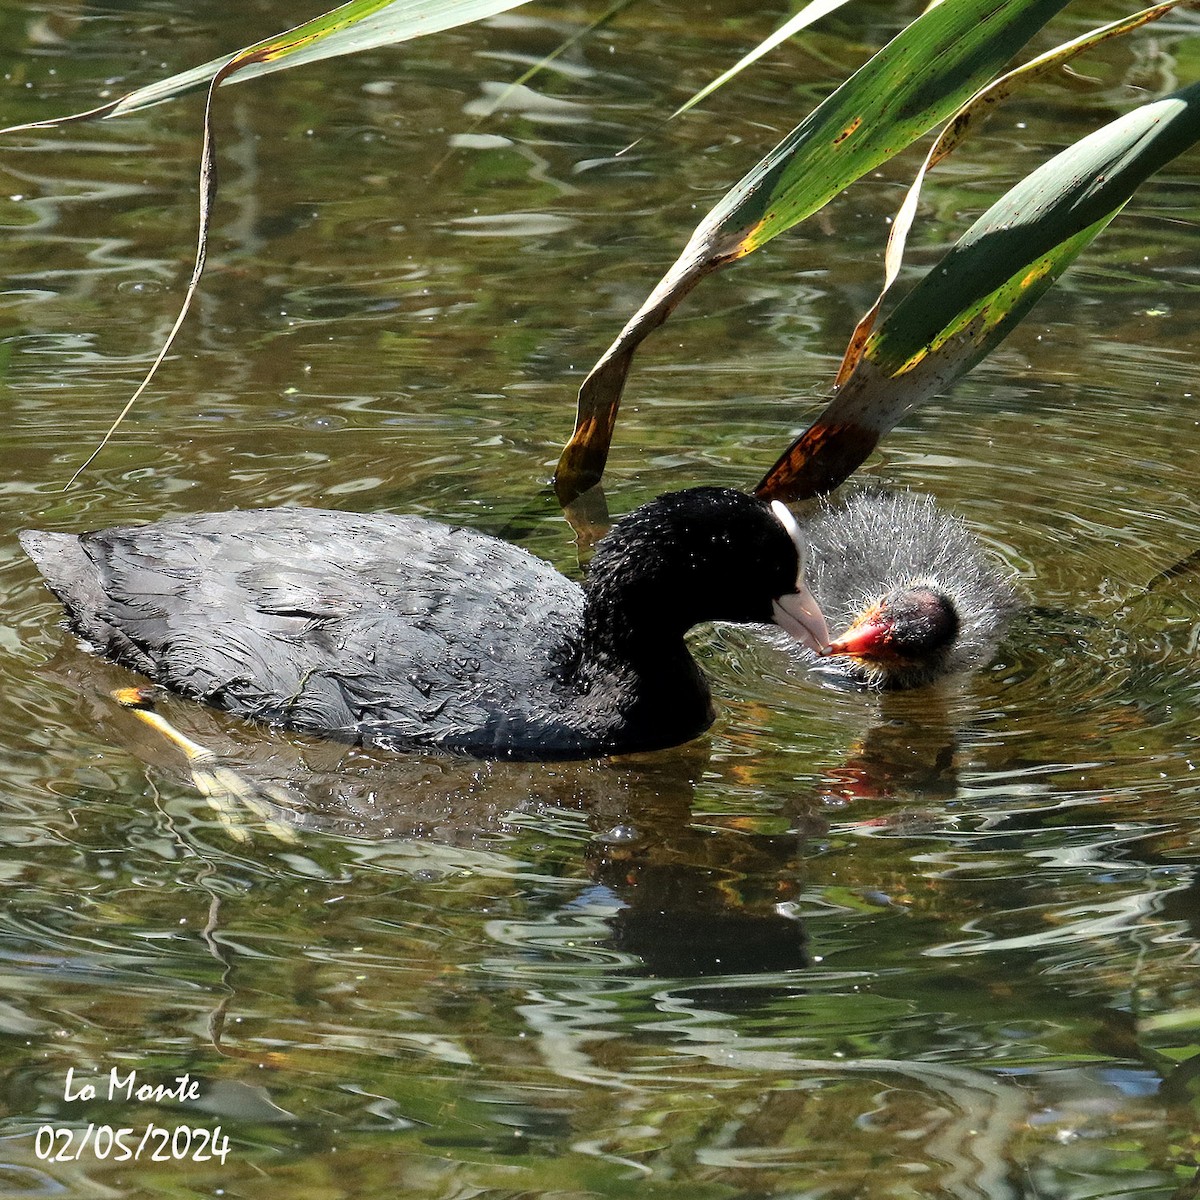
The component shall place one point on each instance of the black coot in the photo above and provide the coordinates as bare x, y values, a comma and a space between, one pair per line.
403, 633
917, 596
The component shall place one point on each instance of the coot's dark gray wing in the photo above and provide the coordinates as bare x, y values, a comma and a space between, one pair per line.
382, 629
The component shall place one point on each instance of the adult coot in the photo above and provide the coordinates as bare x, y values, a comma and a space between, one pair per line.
917, 596
404, 633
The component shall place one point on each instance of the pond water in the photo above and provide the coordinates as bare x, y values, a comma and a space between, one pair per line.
938, 944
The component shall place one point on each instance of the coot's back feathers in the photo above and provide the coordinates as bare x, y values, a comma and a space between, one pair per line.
303, 617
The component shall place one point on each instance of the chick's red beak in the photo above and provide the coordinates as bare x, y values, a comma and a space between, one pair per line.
870, 636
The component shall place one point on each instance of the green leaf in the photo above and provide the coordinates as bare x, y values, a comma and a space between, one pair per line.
955, 133
914, 82
808, 15
359, 25
918, 79
970, 301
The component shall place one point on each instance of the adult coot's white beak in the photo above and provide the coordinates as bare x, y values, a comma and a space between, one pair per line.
800, 615
798, 612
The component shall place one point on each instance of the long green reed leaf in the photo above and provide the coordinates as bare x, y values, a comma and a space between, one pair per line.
358, 25
810, 14
970, 301
955, 133
918, 79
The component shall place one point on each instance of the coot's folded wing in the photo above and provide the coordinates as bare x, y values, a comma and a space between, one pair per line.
318, 620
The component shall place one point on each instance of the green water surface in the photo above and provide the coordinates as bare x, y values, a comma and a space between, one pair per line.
934, 945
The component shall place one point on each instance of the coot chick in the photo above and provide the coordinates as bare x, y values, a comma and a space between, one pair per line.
403, 633
917, 596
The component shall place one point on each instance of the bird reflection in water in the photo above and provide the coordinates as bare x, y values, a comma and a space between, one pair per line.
683, 896
715, 891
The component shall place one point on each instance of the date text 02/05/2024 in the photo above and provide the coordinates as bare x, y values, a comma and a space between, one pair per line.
158, 1143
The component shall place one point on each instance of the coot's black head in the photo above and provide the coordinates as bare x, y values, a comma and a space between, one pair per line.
706, 554
903, 639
